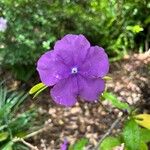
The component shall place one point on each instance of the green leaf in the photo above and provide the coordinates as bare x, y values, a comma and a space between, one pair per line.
23, 122
20, 146
143, 146
109, 142
80, 144
107, 78
115, 102
3, 94
46, 44
145, 135
8, 146
135, 28
21, 98
12, 104
38, 92
131, 135
36, 88
3, 136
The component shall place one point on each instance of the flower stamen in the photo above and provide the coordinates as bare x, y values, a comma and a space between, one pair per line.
74, 70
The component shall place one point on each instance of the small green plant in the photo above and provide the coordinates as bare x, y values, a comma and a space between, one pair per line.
14, 126
133, 135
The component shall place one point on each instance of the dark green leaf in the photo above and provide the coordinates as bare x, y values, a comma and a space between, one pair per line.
21, 98
20, 146
23, 122
12, 103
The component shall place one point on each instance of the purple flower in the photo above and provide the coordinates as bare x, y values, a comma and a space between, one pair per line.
3, 24
64, 146
75, 69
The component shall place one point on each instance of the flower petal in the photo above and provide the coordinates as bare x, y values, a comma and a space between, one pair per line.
72, 48
64, 146
65, 91
90, 89
96, 63
51, 69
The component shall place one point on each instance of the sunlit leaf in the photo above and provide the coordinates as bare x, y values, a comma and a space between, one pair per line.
38, 92
36, 88
131, 135
3, 136
115, 102
143, 120
109, 142
107, 78
8, 146
135, 28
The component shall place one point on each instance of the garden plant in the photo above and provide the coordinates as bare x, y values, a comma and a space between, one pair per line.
70, 45
72, 69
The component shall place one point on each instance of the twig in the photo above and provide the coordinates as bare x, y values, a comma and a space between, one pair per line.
109, 131
30, 135
106, 109
36, 132
29, 145
25, 143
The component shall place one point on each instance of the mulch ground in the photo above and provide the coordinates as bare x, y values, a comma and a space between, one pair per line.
130, 82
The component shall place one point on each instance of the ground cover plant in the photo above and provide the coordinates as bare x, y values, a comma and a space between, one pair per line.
13, 127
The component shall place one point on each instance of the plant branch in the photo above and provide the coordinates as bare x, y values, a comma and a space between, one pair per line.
36, 132
109, 130
25, 143
31, 135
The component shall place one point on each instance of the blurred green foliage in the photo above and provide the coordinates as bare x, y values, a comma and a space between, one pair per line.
34, 25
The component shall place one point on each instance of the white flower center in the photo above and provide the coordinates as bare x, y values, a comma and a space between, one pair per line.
74, 70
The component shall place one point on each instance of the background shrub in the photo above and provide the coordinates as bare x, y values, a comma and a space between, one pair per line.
34, 25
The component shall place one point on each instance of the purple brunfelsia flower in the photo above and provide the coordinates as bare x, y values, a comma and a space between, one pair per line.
3, 24
75, 69
64, 146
